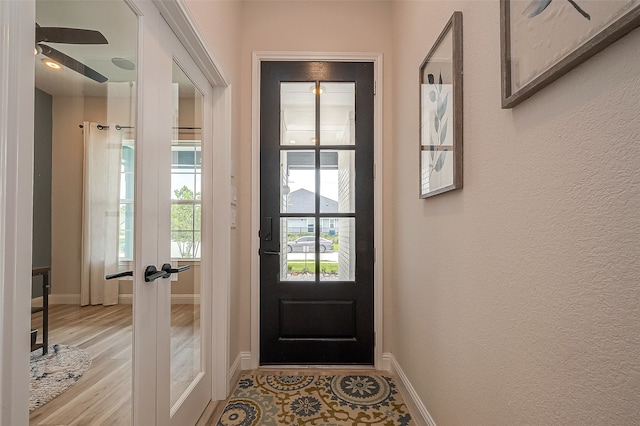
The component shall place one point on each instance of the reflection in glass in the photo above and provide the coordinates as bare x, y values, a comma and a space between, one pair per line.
88, 216
337, 181
337, 113
186, 208
298, 243
298, 114
298, 181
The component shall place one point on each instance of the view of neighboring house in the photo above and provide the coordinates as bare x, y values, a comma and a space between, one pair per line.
303, 201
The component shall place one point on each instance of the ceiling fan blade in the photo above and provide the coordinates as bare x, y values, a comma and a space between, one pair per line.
71, 63
69, 35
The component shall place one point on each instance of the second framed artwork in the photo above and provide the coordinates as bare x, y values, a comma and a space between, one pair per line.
441, 112
543, 40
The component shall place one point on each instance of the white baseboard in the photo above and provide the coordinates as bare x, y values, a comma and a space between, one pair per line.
179, 299
125, 299
416, 407
246, 362
242, 362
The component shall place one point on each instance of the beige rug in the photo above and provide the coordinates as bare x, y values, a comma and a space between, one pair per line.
319, 400
54, 373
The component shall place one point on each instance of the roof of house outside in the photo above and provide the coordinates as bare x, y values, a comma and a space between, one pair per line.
303, 201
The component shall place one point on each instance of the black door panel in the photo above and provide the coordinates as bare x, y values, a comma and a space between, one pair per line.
316, 203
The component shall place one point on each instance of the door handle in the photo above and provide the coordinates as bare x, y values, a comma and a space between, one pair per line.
271, 252
118, 275
169, 270
151, 273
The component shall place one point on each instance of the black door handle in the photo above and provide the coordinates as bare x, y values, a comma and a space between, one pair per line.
118, 275
169, 270
261, 252
151, 273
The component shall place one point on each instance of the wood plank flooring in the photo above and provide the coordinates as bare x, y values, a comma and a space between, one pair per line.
103, 395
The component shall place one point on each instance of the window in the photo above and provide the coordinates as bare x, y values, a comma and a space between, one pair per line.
186, 203
125, 243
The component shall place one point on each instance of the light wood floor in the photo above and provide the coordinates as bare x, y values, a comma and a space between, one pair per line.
103, 395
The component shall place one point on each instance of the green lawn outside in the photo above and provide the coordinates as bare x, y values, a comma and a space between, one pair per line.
325, 266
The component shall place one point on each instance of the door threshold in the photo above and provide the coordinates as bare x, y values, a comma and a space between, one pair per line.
318, 367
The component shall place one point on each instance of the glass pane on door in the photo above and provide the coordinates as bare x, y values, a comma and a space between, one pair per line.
337, 113
298, 113
85, 121
186, 214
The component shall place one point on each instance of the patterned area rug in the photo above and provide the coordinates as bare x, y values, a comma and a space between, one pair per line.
55, 372
270, 400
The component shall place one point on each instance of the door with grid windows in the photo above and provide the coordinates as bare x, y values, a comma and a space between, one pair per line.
316, 208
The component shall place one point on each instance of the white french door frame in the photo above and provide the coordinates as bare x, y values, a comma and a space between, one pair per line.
182, 22
17, 20
253, 361
16, 178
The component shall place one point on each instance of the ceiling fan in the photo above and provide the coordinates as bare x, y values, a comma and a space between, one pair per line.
69, 36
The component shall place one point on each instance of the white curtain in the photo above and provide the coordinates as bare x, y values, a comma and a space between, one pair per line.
100, 219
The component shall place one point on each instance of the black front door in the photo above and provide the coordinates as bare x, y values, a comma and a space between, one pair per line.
316, 207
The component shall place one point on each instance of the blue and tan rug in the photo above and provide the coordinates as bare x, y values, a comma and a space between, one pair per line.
318, 400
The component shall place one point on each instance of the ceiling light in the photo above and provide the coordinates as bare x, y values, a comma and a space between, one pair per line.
314, 90
51, 64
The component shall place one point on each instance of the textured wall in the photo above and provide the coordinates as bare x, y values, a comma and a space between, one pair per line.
516, 300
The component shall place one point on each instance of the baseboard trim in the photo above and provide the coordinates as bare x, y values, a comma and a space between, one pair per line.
416, 406
181, 299
242, 362
125, 299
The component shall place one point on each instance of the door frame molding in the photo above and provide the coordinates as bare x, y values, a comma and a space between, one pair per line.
181, 21
257, 57
16, 177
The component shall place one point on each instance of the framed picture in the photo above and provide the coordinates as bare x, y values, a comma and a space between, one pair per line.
441, 112
543, 39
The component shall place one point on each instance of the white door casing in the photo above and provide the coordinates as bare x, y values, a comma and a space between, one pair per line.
258, 57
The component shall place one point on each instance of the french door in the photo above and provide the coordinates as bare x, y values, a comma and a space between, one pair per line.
172, 330
316, 208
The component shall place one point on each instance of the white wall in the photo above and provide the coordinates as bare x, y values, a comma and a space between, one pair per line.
515, 300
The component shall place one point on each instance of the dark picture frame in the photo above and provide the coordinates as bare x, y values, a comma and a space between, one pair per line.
541, 40
441, 112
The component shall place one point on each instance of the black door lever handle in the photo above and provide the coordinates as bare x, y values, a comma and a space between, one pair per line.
169, 270
118, 275
152, 274
275, 253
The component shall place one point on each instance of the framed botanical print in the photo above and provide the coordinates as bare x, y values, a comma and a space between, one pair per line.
542, 40
441, 112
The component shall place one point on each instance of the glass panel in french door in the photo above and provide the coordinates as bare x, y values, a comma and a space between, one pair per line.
186, 219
